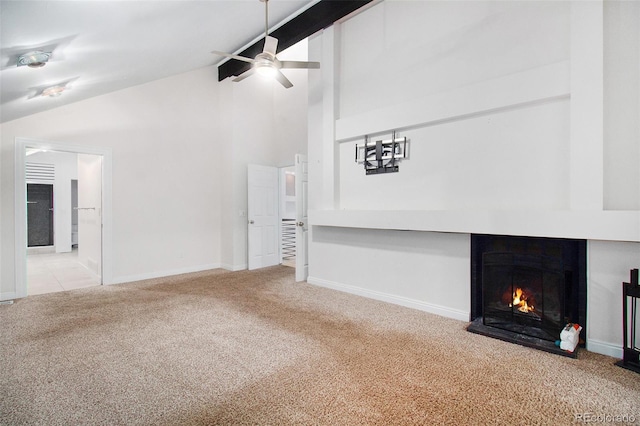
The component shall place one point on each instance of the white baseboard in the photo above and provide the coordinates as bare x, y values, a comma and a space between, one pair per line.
604, 348
8, 295
392, 298
234, 268
160, 274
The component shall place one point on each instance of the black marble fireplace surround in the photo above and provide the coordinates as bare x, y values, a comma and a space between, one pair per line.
526, 289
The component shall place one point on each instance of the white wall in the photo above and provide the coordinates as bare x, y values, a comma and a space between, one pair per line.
622, 105
515, 159
402, 50
430, 271
66, 169
503, 105
166, 192
608, 266
290, 107
91, 213
500, 83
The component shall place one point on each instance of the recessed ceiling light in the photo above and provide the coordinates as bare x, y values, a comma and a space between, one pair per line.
53, 91
35, 59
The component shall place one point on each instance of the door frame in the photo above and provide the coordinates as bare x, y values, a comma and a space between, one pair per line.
20, 207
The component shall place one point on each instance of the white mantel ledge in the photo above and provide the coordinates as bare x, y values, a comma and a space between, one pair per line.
589, 225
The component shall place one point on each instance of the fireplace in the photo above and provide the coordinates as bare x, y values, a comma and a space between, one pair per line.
526, 289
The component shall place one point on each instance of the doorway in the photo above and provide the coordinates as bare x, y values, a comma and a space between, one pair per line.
98, 215
39, 214
277, 216
288, 216
56, 261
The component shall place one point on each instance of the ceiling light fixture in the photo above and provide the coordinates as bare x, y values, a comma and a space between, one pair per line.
265, 66
53, 91
266, 63
35, 59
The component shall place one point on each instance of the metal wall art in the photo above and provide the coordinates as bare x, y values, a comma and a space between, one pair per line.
381, 156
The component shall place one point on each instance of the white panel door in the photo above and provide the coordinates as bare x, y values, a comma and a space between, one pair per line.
302, 223
263, 214
90, 212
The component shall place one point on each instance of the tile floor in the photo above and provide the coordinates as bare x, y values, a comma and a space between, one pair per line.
51, 272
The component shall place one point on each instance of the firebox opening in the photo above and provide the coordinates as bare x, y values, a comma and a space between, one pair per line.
526, 289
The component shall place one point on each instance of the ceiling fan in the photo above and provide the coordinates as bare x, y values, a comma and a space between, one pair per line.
266, 63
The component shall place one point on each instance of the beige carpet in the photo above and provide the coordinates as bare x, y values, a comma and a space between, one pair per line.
257, 348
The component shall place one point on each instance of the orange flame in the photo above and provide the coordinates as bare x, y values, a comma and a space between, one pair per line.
520, 301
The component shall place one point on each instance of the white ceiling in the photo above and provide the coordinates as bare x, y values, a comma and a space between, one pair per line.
102, 46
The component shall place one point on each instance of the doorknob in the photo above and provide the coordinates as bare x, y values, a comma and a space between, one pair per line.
300, 223
251, 222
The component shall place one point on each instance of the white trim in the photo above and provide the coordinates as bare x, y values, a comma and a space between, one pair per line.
162, 274
234, 268
20, 220
20, 206
604, 348
589, 225
8, 295
392, 298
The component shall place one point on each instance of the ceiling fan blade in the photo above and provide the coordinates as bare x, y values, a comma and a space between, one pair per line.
229, 55
283, 80
244, 75
299, 64
270, 45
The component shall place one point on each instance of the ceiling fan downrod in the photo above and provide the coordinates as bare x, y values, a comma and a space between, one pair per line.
266, 17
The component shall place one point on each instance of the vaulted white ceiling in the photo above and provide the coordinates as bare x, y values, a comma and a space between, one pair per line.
103, 46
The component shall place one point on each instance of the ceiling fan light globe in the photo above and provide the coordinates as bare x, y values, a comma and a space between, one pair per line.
266, 70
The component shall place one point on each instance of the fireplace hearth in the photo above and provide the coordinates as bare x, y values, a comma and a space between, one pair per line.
526, 289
